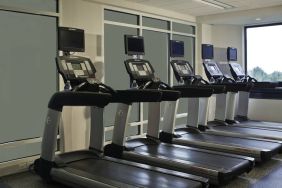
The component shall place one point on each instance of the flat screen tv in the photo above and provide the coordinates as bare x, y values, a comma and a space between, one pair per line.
71, 39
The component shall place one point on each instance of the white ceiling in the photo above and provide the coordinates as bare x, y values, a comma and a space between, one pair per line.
194, 8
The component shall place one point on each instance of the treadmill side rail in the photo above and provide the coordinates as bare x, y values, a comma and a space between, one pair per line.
49, 140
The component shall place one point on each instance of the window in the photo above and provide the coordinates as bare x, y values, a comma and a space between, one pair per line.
263, 51
157, 32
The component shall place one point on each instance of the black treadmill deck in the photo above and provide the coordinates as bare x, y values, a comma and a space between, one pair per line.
106, 171
261, 124
233, 141
256, 132
219, 168
204, 158
260, 150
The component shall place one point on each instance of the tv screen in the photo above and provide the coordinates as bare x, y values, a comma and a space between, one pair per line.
231, 54
176, 48
71, 39
207, 51
134, 45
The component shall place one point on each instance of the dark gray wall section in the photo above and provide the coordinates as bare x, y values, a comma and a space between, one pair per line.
155, 23
115, 72
27, 73
121, 17
27, 77
43, 5
156, 51
183, 28
189, 51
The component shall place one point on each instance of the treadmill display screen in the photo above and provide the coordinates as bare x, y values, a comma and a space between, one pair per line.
140, 67
76, 66
207, 51
213, 69
176, 48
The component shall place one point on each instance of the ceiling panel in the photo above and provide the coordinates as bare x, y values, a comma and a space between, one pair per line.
192, 7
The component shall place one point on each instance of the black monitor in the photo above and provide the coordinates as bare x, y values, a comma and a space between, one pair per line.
71, 39
231, 54
134, 45
176, 48
207, 51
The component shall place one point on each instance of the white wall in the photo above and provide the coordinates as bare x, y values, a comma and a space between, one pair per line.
88, 15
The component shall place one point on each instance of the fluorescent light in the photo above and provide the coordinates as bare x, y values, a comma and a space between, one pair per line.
258, 19
216, 4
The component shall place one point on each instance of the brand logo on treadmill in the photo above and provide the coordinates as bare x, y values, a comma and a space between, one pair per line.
120, 113
48, 120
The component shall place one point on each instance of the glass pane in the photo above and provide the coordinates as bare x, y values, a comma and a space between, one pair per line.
121, 17
43, 5
263, 53
183, 28
155, 23
156, 51
189, 55
115, 72
27, 74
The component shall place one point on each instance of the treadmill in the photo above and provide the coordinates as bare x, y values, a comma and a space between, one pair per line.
193, 133
90, 168
240, 76
218, 167
225, 123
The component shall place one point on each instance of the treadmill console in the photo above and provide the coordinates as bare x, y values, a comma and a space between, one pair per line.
139, 69
237, 71
75, 69
182, 69
212, 70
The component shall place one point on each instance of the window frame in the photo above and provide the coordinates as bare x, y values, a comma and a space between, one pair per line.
261, 93
141, 28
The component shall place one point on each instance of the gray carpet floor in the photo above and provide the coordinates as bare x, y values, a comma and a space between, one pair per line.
266, 175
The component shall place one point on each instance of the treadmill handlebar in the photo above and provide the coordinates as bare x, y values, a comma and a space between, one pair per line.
136, 95
193, 91
235, 87
265, 85
68, 98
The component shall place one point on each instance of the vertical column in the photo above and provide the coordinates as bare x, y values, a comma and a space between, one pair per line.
154, 115
97, 128
243, 104
121, 123
168, 124
203, 112
230, 111
193, 112
220, 109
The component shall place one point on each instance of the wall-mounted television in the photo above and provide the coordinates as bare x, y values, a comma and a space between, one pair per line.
134, 45
176, 48
207, 51
71, 39
231, 54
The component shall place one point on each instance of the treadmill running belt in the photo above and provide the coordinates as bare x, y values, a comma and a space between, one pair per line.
265, 124
235, 141
130, 174
252, 131
214, 161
